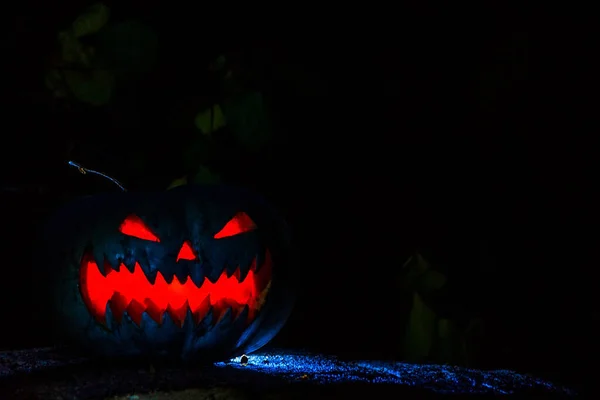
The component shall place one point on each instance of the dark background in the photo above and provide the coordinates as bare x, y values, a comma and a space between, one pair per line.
457, 132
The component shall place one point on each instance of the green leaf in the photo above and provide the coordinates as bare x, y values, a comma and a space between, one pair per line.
54, 82
91, 21
72, 51
130, 48
420, 331
413, 269
430, 282
197, 152
178, 182
94, 87
204, 176
417, 264
450, 343
210, 120
247, 117
422, 264
444, 328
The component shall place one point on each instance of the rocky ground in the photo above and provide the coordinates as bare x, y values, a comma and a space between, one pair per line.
51, 374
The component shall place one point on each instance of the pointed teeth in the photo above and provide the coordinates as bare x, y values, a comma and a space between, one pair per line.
254, 267
118, 305
261, 261
154, 311
225, 318
106, 268
148, 321
244, 269
129, 264
168, 322
168, 277
178, 314
135, 311
202, 310
114, 262
98, 258
182, 275
159, 278
242, 274
207, 320
103, 263
127, 329
197, 276
189, 322
243, 315
239, 312
109, 319
230, 270
140, 315
213, 275
150, 275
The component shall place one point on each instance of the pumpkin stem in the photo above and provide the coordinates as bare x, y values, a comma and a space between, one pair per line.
84, 171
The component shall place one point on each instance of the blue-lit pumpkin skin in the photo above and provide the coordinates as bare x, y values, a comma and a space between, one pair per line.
196, 272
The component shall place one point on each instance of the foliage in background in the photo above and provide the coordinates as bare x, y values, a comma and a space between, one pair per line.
236, 119
432, 336
203, 175
79, 71
99, 62
96, 58
238, 114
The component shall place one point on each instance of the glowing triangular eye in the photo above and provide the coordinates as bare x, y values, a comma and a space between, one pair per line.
240, 223
134, 226
186, 252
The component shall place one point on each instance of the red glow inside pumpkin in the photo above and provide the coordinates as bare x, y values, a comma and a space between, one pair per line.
132, 292
240, 223
134, 226
186, 252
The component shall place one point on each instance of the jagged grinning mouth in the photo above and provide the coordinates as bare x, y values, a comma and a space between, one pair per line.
131, 292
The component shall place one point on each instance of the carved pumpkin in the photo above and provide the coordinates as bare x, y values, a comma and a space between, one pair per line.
193, 272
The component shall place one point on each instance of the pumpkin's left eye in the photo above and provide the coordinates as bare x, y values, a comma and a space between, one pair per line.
240, 223
134, 226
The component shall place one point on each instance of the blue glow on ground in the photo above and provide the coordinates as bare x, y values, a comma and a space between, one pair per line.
439, 378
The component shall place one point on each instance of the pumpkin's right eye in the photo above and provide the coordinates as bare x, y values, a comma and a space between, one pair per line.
240, 223
134, 226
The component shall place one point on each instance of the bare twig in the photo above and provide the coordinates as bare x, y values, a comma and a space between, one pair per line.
84, 171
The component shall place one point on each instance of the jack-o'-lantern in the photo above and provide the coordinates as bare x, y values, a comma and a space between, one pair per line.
197, 272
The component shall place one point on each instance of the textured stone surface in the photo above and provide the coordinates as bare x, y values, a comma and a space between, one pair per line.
50, 374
